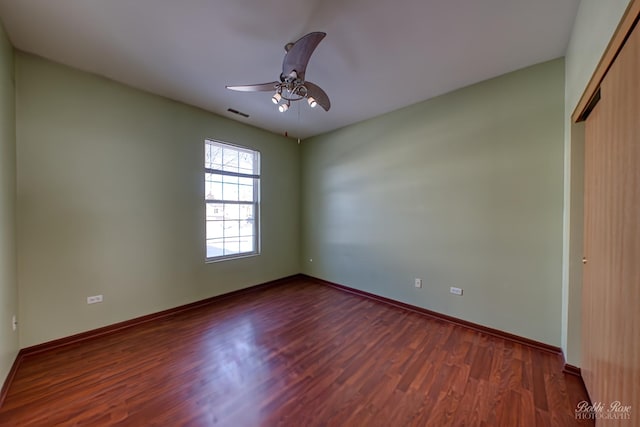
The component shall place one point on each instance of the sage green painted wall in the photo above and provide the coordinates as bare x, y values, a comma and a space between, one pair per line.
8, 278
593, 28
110, 201
461, 190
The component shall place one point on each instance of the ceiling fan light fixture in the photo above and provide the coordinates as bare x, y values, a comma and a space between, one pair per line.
312, 102
292, 86
283, 107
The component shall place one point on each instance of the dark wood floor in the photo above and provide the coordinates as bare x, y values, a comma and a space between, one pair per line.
298, 354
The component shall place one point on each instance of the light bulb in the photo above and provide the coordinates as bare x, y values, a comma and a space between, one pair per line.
312, 102
276, 98
283, 107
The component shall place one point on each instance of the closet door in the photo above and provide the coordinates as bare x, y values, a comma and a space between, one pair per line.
611, 289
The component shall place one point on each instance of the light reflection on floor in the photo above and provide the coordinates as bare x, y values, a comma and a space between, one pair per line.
237, 366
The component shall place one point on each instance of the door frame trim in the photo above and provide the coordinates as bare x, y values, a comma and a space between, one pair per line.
628, 21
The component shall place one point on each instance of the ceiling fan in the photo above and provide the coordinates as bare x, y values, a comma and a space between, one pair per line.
292, 85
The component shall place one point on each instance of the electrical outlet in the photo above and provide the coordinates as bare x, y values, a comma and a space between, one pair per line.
94, 299
455, 291
417, 283
14, 322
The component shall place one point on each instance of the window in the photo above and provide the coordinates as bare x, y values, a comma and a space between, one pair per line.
231, 194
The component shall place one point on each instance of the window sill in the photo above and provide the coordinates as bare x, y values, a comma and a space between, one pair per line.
230, 257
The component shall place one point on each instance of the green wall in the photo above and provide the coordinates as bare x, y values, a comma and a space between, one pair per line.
8, 280
593, 28
110, 201
461, 190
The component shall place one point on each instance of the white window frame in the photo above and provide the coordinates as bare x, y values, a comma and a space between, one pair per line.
255, 202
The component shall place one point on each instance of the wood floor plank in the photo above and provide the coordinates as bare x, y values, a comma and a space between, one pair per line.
296, 354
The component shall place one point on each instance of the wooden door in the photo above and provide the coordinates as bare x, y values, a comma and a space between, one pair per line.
611, 290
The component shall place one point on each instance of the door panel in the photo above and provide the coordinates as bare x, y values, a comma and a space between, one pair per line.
611, 289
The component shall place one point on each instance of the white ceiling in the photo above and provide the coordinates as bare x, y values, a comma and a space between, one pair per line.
378, 55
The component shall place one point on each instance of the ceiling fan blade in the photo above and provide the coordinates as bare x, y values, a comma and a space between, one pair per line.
298, 55
262, 87
318, 94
